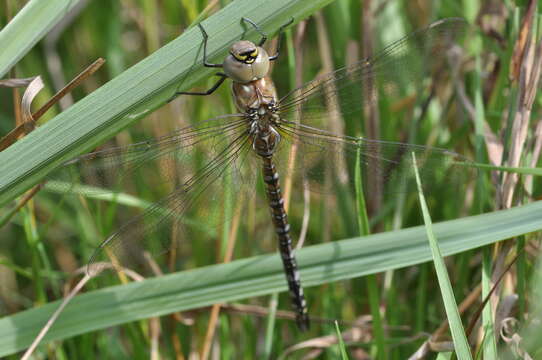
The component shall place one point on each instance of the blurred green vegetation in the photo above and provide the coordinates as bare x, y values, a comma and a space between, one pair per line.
53, 235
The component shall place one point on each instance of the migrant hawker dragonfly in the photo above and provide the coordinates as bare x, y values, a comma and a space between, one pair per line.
262, 135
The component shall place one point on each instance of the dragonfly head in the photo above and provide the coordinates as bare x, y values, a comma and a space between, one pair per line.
244, 51
246, 62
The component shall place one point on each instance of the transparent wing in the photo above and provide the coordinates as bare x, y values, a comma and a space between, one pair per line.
206, 163
172, 157
327, 161
400, 65
160, 227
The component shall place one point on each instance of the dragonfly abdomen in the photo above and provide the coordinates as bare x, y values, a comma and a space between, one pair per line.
282, 228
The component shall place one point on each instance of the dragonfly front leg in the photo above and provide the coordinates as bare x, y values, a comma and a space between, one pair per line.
202, 93
279, 41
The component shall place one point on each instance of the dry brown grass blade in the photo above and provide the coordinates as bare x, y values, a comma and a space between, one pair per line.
30, 121
465, 304
537, 147
215, 309
356, 334
14, 83
29, 95
288, 181
493, 144
55, 316
34, 86
478, 312
510, 335
520, 125
371, 112
432, 345
522, 44
528, 84
90, 70
298, 41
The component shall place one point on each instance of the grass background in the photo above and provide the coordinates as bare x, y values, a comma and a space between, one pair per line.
52, 236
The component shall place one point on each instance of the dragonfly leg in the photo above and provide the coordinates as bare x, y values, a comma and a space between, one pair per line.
205, 38
258, 29
203, 93
280, 36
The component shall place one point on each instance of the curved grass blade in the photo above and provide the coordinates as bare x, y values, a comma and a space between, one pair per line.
452, 312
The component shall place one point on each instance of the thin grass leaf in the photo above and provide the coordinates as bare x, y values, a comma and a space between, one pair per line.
458, 333
371, 280
489, 346
342, 347
271, 322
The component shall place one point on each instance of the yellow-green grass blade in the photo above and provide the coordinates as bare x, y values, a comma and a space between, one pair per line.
137, 92
461, 343
28, 27
263, 275
342, 346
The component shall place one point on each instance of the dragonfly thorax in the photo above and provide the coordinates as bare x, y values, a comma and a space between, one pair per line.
246, 62
257, 94
262, 121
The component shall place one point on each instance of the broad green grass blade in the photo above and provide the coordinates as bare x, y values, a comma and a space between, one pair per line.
461, 344
263, 275
137, 92
28, 27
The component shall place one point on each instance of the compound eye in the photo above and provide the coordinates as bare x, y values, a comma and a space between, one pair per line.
240, 57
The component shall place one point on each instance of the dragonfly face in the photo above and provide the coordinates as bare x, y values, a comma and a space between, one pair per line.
246, 62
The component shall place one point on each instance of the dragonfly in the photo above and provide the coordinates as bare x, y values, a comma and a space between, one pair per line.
271, 137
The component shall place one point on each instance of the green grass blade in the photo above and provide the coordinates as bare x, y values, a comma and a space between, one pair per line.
137, 92
363, 218
372, 283
444, 356
342, 347
29, 25
489, 346
262, 275
452, 312
270, 326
